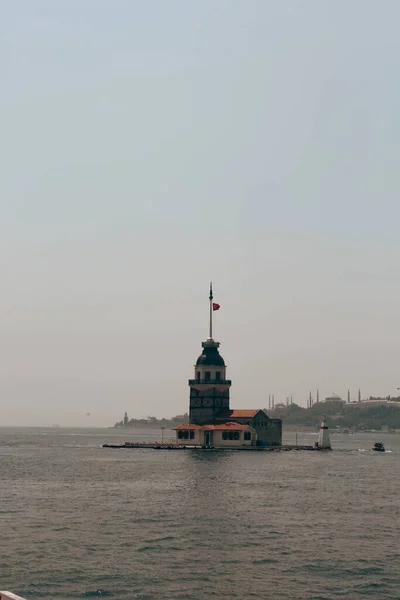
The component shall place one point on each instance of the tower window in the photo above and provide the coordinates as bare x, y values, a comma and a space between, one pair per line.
198, 375
218, 376
207, 375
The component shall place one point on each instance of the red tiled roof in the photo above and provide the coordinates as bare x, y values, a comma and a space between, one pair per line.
239, 414
215, 427
227, 426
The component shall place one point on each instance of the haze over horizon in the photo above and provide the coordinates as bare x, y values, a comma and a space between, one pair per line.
149, 148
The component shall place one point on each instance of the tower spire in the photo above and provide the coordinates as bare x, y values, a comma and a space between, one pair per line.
211, 309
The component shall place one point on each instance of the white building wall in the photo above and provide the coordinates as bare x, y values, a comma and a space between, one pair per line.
219, 441
212, 370
197, 441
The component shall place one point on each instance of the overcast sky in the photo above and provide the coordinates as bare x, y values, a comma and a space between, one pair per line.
149, 147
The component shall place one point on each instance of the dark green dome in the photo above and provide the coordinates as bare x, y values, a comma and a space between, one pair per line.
210, 357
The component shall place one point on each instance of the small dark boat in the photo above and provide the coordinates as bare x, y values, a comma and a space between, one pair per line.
379, 447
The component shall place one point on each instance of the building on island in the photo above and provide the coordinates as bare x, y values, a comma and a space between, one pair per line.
211, 420
324, 441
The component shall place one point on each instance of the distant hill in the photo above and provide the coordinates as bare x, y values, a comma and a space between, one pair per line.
153, 422
352, 416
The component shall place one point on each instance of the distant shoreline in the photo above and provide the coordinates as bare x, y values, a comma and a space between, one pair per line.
374, 415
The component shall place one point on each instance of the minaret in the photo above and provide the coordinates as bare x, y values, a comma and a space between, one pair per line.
359, 395
209, 390
310, 400
323, 436
348, 396
269, 402
317, 395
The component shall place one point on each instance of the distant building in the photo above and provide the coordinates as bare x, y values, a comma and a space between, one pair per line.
371, 401
211, 420
332, 398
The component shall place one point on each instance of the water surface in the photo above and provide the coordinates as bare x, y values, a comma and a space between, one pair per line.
79, 521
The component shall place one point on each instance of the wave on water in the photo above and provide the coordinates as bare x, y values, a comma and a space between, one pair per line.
96, 523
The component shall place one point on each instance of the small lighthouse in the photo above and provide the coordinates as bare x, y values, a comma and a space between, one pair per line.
324, 441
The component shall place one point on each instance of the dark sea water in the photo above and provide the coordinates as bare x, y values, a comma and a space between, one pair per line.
78, 521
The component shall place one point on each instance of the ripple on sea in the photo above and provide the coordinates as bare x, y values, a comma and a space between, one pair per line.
149, 525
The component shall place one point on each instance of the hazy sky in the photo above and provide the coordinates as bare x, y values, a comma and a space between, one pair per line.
148, 147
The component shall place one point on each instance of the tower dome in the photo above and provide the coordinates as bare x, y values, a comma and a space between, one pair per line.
210, 357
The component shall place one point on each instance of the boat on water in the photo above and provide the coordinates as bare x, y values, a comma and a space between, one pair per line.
378, 447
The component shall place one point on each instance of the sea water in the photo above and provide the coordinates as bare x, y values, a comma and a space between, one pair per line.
80, 521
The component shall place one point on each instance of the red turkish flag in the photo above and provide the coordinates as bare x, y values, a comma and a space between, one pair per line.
216, 306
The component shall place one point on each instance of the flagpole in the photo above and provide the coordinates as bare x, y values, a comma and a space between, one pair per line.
211, 310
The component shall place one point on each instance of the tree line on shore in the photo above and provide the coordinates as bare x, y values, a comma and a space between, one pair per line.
338, 414
341, 414
153, 421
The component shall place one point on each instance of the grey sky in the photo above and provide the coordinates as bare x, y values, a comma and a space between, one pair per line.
148, 147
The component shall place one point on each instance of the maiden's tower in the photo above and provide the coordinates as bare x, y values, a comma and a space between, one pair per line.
211, 420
